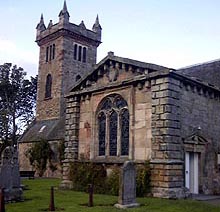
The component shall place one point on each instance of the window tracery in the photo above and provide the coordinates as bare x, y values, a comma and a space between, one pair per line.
113, 127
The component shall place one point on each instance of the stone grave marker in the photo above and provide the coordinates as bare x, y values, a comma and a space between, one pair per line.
9, 174
127, 186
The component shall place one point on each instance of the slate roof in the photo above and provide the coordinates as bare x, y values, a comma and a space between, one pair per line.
208, 72
46, 129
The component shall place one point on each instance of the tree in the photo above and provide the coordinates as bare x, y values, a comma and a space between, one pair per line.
39, 155
17, 101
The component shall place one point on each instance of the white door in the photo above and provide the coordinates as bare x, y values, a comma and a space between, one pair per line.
192, 172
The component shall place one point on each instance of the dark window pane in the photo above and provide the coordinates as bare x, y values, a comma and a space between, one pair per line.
102, 132
120, 103
80, 53
48, 86
125, 132
78, 77
53, 51
107, 105
84, 54
113, 133
75, 52
50, 52
47, 54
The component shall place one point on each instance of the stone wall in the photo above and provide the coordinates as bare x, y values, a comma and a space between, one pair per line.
24, 163
139, 105
167, 154
50, 108
199, 106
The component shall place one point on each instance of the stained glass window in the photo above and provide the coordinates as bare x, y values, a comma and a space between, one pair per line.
113, 126
107, 104
102, 133
113, 119
120, 103
124, 132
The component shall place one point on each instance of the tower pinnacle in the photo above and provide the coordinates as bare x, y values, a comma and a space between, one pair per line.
97, 28
64, 14
96, 25
41, 25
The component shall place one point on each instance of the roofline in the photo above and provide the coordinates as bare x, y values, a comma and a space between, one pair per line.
128, 61
150, 76
198, 64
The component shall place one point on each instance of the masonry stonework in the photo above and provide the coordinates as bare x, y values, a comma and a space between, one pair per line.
171, 120
199, 106
67, 53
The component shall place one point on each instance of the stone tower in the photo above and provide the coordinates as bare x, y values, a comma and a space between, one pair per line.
67, 53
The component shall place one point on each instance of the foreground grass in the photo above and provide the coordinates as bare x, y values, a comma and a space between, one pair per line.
38, 195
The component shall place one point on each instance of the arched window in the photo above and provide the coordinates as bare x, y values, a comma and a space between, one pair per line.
113, 126
75, 52
50, 52
53, 56
124, 132
84, 54
48, 86
47, 54
80, 53
102, 133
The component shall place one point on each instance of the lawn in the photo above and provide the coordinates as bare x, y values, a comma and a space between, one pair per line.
38, 195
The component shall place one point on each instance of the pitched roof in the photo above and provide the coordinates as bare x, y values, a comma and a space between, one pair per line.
46, 129
111, 57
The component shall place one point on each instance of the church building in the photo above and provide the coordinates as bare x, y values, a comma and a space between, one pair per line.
122, 109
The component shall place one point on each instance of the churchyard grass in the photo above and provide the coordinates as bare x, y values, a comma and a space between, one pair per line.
37, 196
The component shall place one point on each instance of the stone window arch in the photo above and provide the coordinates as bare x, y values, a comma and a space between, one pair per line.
47, 54
53, 54
75, 52
113, 126
48, 86
80, 53
84, 55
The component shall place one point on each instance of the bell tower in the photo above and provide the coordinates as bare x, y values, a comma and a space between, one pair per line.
67, 53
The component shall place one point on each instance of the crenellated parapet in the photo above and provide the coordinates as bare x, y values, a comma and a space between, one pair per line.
65, 28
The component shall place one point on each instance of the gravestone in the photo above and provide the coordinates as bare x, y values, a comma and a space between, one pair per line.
9, 174
127, 186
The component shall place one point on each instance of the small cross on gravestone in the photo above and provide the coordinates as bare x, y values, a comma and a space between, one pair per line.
127, 186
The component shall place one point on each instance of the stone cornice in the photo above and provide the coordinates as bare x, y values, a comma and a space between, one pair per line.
65, 32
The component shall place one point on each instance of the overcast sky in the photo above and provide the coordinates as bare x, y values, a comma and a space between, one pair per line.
171, 33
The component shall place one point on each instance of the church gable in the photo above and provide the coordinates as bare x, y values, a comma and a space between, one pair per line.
115, 71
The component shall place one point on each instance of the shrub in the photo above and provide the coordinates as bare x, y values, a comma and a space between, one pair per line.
84, 173
112, 182
143, 180
39, 155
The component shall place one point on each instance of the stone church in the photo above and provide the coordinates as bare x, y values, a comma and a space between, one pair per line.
122, 109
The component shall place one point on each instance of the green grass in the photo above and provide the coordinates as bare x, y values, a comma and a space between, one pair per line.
38, 195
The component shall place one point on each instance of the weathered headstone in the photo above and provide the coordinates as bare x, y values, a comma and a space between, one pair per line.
127, 189
9, 175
